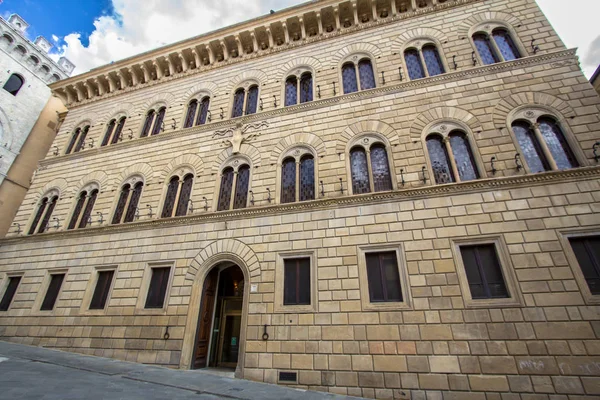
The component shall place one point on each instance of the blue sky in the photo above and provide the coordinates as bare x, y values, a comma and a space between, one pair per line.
95, 32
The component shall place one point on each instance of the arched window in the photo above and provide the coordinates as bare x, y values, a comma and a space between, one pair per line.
197, 112
298, 87
127, 205
178, 196
252, 100
297, 176
77, 142
43, 214
288, 180
306, 87
363, 70
245, 101
543, 145
380, 168
291, 91
230, 179
307, 178
370, 167
501, 48
83, 209
359, 169
452, 159
113, 131
153, 124
423, 62
14, 84
413, 64
433, 62
238, 103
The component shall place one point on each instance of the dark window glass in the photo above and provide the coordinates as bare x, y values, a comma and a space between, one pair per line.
118, 131
148, 123
226, 189
191, 114
158, 287
133, 202
49, 210
100, 296
252, 100
440, 162
587, 251
483, 272
366, 75
307, 178
530, 147
306, 87
170, 198
121, 204
349, 78
158, 124
77, 211
38, 215
383, 277
73, 141
203, 113
413, 63
291, 91
109, 130
288, 181
238, 103
463, 156
380, 168
360, 171
296, 282
81, 140
506, 45
241, 187
9, 294
433, 60
87, 213
13, 84
52, 293
484, 48
557, 144
184, 196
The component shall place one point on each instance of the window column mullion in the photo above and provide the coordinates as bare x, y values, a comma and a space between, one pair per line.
298, 90
129, 196
423, 63
357, 77
370, 171
545, 148
233, 185
297, 185
451, 159
177, 196
80, 216
495, 47
244, 102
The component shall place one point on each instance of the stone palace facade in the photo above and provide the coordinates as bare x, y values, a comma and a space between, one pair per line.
391, 199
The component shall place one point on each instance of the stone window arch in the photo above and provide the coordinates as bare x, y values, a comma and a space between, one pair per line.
299, 86
422, 58
198, 111
357, 73
114, 131
544, 141
154, 121
13, 84
495, 42
77, 142
178, 193
84, 205
370, 166
127, 202
297, 175
44, 210
245, 99
450, 153
234, 184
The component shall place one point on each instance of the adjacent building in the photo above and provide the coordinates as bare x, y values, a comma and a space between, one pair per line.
26, 69
380, 198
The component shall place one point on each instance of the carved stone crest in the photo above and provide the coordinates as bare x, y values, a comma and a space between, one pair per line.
237, 134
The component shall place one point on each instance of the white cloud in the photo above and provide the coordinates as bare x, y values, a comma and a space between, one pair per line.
55, 38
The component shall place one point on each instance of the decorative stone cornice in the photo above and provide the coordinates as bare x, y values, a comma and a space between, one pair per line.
470, 187
559, 57
235, 30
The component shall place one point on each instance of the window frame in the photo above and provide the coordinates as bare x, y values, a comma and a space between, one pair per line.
6, 281
355, 59
487, 28
145, 286
49, 196
19, 76
155, 109
235, 163
89, 188
297, 152
279, 307
181, 174
365, 298
564, 235
36, 308
506, 267
417, 44
297, 73
245, 86
199, 97
367, 141
91, 288
132, 181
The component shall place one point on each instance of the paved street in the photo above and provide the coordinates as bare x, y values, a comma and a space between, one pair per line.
40, 374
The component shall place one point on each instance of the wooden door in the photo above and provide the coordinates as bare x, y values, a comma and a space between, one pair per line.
209, 294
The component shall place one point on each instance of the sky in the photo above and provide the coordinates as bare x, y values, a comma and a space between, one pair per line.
92, 33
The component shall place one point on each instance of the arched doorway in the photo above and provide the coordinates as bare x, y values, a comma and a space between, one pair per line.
218, 336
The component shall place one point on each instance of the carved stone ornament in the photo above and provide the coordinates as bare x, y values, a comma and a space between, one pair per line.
530, 114
237, 134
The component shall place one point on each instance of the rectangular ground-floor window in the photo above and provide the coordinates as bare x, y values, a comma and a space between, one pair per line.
483, 270
158, 287
296, 281
9, 293
102, 290
56, 281
383, 277
587, 252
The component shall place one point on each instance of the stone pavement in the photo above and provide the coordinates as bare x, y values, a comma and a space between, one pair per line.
28, 372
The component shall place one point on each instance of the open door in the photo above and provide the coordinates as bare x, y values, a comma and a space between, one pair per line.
209, 294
